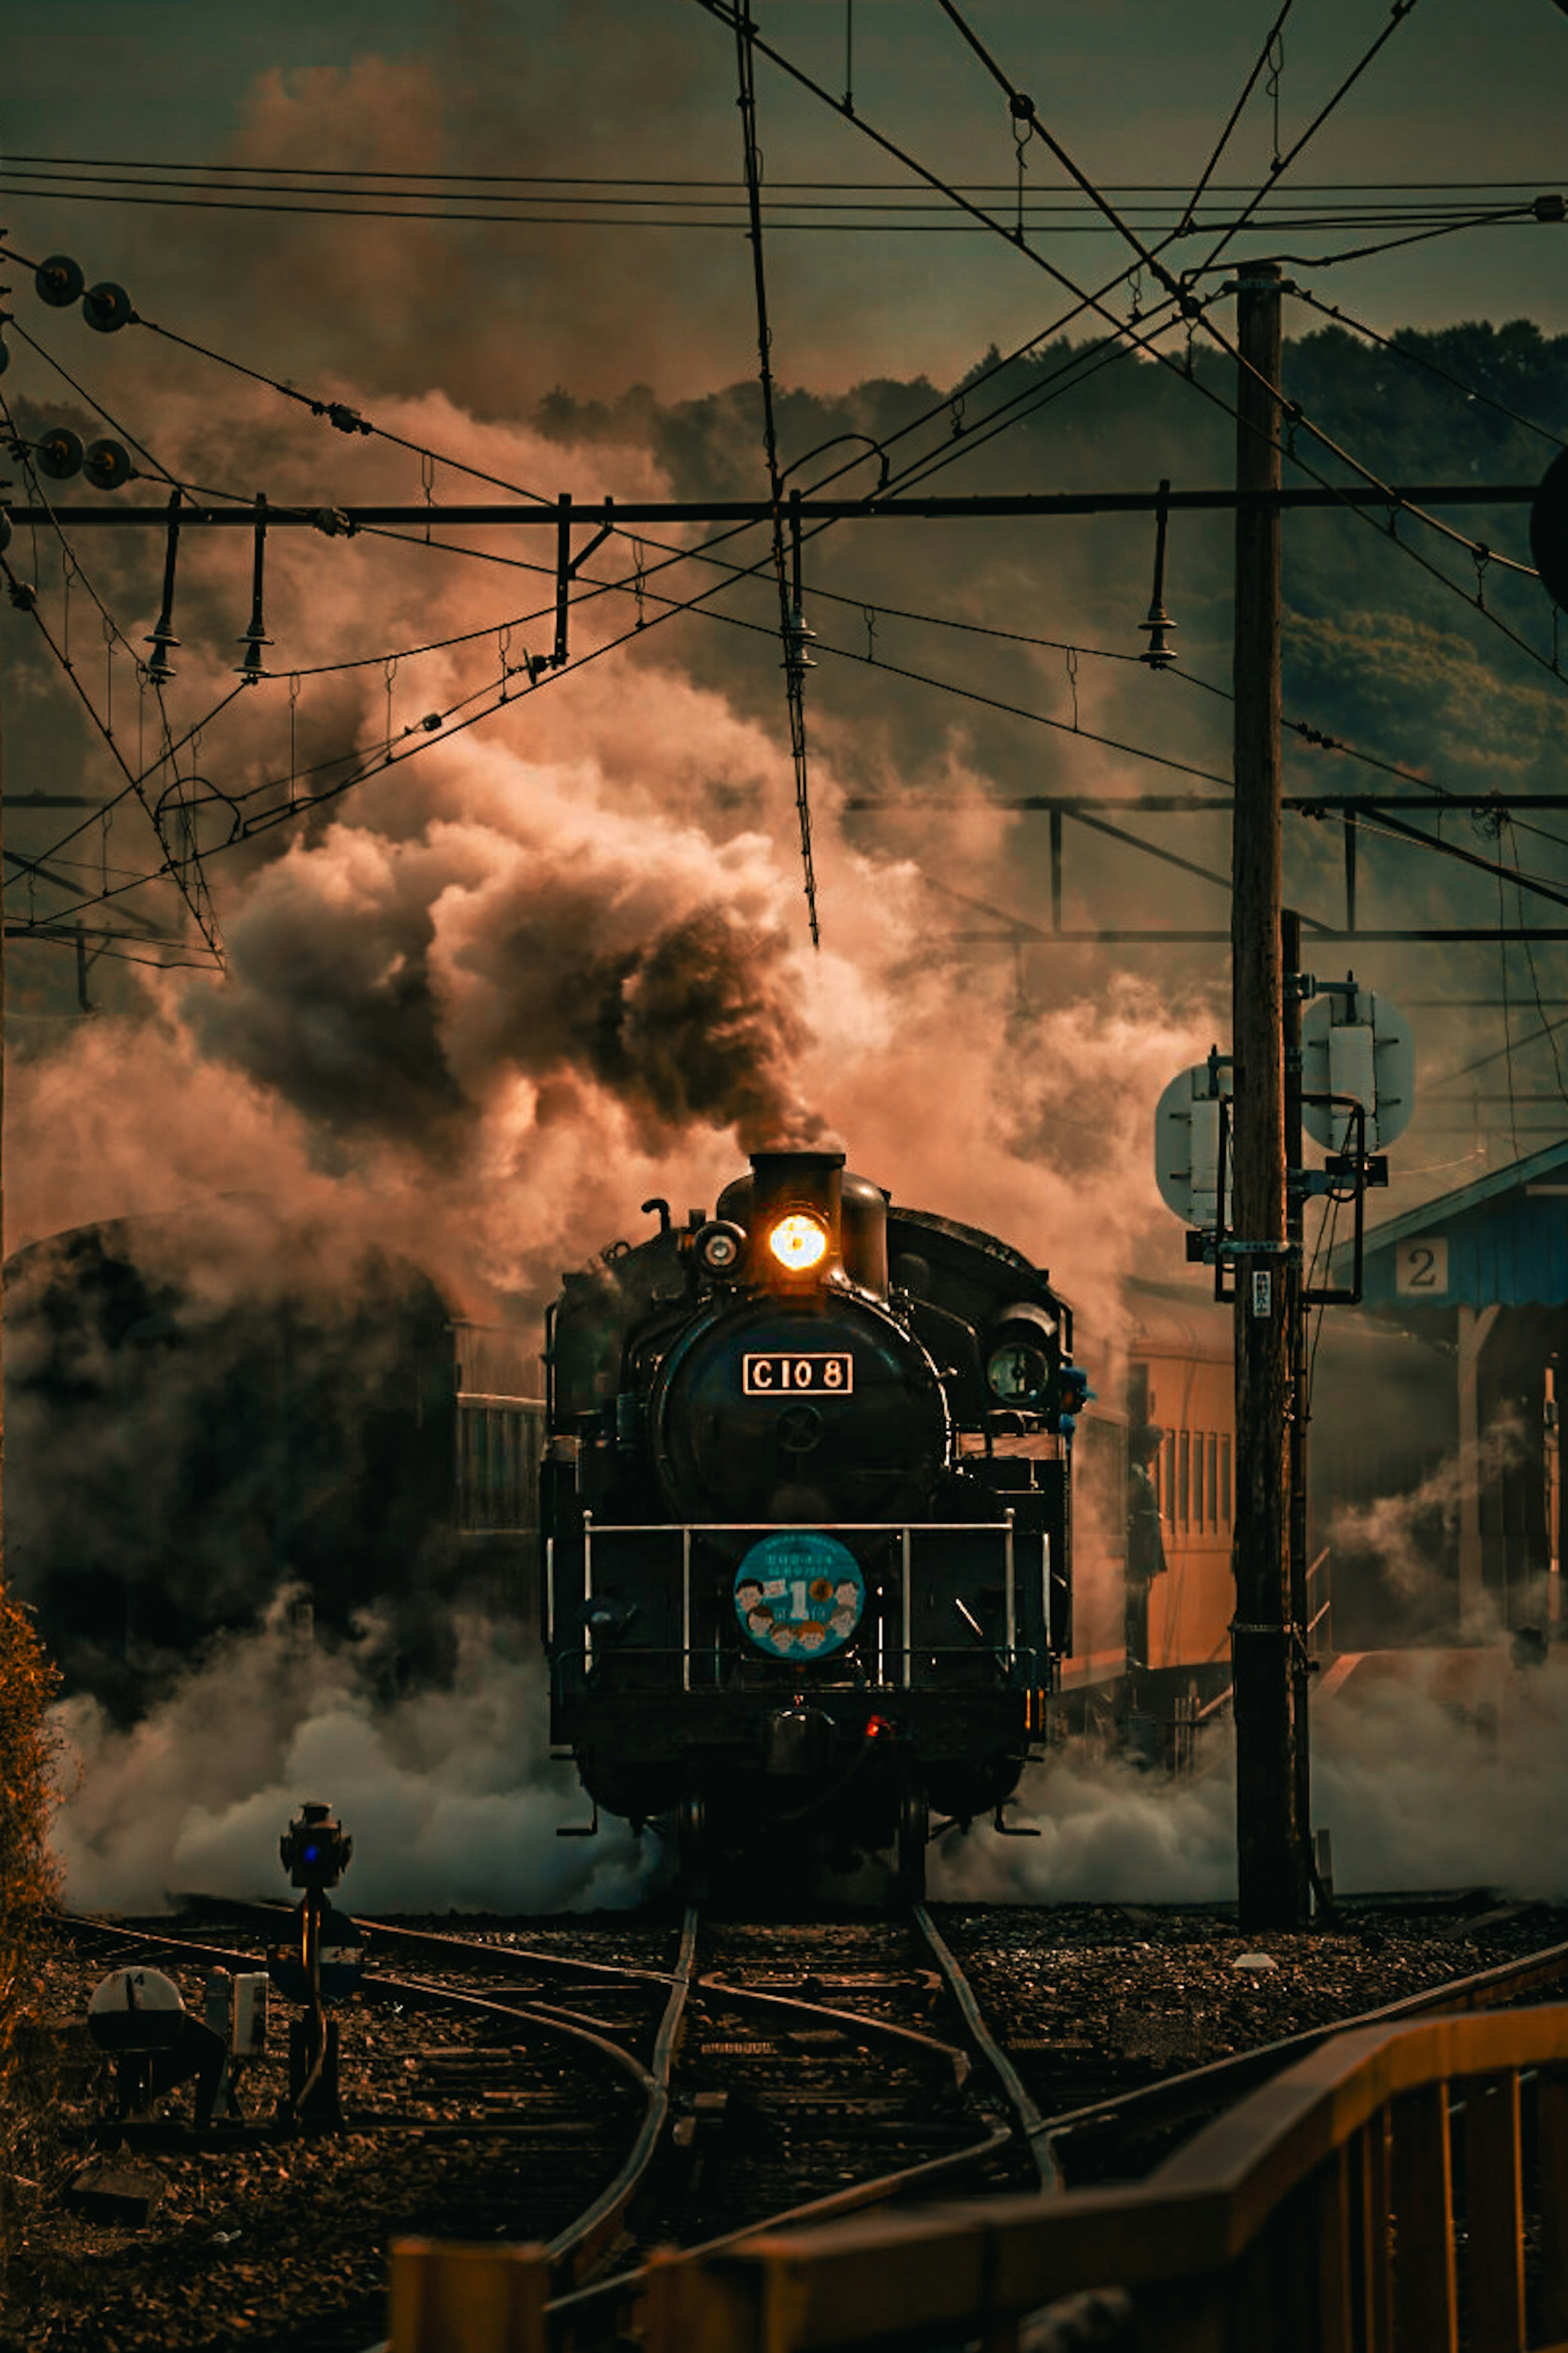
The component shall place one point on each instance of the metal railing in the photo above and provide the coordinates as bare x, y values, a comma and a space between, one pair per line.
902, 1538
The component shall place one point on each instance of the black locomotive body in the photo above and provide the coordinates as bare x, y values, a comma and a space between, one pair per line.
807, 1512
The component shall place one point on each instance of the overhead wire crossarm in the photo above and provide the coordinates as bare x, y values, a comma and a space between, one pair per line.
980, 507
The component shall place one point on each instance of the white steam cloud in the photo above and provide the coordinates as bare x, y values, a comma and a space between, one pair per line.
1426, 1775
449, 1795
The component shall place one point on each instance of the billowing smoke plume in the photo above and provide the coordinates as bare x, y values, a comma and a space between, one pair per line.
402, 992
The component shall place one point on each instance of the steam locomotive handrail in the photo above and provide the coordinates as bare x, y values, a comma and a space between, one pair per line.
791, 1527
1008, 1653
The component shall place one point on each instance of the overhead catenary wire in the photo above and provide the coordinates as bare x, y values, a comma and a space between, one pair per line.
1281, 164
352, 422
1236, 113
725, 11
931, 464
362, 771
678, 558
51, 360
283, 173
791, 625
487, 701
1023, 106
625, 202
1505, 217
26, 599
1310, 735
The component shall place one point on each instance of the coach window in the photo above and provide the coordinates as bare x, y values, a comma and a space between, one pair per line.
1225, 1477
1184, 1478
1214, 1480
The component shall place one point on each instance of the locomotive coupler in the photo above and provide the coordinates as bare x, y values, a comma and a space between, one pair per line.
796, 1740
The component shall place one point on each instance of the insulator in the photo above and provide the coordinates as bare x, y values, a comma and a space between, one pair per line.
107, 464
60, 453
255, 637
106, 307
59, 280
798, 640
252, 670
1160, 626
160, 669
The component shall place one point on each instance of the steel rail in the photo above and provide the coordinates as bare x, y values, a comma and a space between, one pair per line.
1034, 2127
859, 2021
753, 1997
575, 2247
583, 2238
119, 1932
438, 1942
566, 1965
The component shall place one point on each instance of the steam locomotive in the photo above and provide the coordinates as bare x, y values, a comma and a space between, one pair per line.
806, 1514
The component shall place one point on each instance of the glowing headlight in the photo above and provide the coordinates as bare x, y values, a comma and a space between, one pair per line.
799, 1242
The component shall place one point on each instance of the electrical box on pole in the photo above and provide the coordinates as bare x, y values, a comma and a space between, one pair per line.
1357, 1050
1189, 1146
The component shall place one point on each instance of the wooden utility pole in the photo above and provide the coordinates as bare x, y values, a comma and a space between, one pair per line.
1300, 1389
1270, 1844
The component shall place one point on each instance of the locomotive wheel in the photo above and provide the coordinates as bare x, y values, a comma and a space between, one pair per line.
691, 1847
914, 1837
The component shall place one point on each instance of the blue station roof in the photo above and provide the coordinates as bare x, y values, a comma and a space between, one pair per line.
1502, 1241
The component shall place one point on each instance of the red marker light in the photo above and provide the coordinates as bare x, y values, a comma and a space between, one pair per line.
878, 1727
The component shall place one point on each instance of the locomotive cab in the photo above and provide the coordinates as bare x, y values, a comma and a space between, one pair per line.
807, 1515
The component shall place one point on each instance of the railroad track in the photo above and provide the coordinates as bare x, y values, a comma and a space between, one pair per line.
754, 2078
721, 2079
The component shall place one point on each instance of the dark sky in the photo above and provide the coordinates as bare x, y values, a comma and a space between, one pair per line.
622, 88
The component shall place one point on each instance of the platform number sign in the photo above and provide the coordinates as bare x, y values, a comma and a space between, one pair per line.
1421, 1268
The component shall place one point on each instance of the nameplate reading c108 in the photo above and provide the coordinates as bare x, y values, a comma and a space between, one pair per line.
791, 1373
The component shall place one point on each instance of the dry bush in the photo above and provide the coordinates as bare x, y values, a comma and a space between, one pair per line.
28, 1895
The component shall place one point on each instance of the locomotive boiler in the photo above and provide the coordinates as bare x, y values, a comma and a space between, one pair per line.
806, 1516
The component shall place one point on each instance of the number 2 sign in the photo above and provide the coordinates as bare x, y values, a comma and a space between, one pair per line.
1421, 1268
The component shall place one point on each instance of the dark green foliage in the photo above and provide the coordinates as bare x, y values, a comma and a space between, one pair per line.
1384, 649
